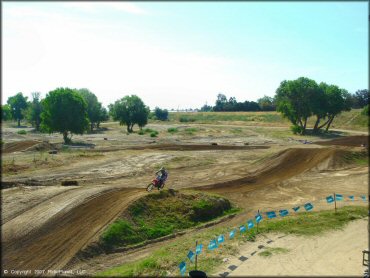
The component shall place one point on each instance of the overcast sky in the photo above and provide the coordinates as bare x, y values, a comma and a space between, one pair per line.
181, 54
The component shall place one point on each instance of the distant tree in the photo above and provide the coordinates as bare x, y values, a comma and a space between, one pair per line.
206, 108
266, 103
220, 103
161, 114
34, 111
130, 110
93, 106
64, 111
6, 113
18, 105
103, 115
360, 99
295, 99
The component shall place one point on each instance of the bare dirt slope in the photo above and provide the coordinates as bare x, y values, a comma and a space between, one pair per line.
53, 244
335, 253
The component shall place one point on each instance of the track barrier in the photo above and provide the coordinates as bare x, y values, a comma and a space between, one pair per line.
216, 242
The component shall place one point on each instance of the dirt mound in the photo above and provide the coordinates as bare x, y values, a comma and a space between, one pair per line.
351, 141
19, 146
43, 146
287, 164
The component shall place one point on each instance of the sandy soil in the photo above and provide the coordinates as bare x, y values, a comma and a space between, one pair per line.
335, 253
45, 226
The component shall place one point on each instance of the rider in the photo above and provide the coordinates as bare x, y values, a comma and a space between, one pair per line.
163, 177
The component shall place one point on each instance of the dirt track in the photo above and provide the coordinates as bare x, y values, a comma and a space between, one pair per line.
49, 234
53, 245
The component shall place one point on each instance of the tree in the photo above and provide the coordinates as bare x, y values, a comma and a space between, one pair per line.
34, 111
266, 104
93, 107
64, 111
220, 102
332, 101
6, 113
130, 110
295, 99
18, 105
206, 108
360, 99
103, 116
161, 114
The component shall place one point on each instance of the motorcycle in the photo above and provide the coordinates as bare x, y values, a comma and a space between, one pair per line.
156, 183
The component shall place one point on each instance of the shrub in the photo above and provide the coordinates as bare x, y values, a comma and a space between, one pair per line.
296, 129
161, 114
172, 130
365, 111
22, 132
154, 133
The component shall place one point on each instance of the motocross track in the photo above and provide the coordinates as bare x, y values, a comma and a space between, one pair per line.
50, 233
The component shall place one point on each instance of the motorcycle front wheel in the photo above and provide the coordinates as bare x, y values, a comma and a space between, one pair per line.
149, 187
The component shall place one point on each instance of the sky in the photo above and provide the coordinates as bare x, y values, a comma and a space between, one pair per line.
181, 54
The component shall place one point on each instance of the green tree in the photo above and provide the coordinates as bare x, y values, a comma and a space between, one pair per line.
336, 101
220, 102
34, 111
360, 98
130, 110
266, 103
103, 116
296, 99
18, 105
64, 111
6, 113
161, 114
93, 107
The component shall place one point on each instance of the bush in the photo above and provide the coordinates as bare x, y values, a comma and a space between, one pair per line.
160, 114
296, 129
22, 132
365, 111
154, 133
172, 130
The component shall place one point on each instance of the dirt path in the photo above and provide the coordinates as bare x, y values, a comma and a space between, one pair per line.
333, 253
59, 239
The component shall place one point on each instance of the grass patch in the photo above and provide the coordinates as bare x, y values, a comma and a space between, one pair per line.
172, 130
269, 251
165, 260
164, 213
22, 132
151, 132
190, 130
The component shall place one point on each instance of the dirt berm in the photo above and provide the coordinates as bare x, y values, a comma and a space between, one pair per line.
284, 165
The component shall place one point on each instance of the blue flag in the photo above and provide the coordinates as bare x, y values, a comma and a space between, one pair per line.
330, 199
363, 197
308, 206
296, 208
283, 212
198, 249
191, 256
242, 229
339, 197
182, 267
258, 218
352, 198
271, 214
212, 244
232, 234
250, 224
221, 239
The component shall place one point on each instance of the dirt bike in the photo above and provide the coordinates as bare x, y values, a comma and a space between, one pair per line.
155, 183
